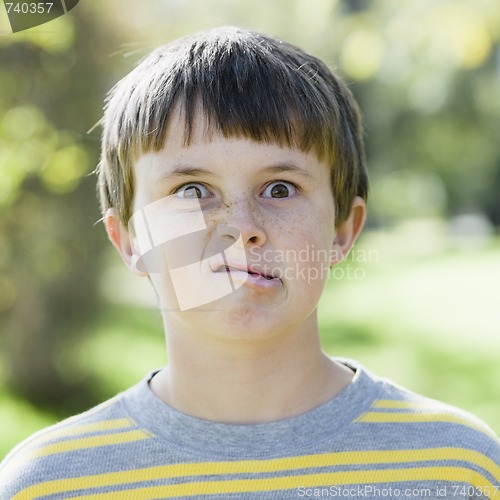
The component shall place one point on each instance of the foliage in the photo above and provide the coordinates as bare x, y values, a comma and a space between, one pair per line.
49, 253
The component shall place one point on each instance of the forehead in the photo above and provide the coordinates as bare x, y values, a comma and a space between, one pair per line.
211, 157
199, 130
200, 140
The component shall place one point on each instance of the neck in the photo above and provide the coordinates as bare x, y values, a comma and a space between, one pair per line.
248, 382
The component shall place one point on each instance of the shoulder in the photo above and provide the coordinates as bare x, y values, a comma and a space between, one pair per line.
398, 404
389, 402
409, 420
43, 456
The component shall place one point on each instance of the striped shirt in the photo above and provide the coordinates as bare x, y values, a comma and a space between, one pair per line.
373, 440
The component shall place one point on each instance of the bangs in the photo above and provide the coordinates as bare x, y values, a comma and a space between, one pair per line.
254, 100
240, 88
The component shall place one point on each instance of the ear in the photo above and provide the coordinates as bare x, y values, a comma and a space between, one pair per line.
348, 232
122, 240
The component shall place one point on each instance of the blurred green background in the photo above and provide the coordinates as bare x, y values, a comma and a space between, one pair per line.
417, 300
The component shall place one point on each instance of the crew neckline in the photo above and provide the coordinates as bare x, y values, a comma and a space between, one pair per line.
264, 439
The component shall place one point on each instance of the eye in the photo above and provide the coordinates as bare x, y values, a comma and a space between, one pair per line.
192, 191
279, 189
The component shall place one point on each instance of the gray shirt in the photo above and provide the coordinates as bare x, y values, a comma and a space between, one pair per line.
374, 440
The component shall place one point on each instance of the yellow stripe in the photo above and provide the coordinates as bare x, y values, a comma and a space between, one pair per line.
370, 477
397, 457
393, 417
72, 430
89, 442
392, 403
29, 451
104, 425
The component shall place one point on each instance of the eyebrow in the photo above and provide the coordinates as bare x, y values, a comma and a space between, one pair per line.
183, 170
186, 170
287, 167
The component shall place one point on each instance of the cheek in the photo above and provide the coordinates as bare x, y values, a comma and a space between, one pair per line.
304, 227
312, 240
289, 222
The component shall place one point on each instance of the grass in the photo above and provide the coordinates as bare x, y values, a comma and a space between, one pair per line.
425, 318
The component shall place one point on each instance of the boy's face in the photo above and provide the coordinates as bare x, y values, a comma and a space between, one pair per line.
245, 232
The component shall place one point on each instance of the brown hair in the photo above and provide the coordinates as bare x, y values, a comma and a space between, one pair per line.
247, 85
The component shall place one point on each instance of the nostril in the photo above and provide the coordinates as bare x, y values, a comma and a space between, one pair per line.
227, 230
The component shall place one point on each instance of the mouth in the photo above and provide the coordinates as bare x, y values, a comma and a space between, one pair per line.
251, 271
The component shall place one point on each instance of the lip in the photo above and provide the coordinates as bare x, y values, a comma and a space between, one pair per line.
255, 281
250, 270
249, 275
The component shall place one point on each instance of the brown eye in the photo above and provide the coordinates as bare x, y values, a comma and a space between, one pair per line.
279, 189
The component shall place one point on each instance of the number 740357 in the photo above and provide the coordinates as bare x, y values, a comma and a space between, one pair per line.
29, 7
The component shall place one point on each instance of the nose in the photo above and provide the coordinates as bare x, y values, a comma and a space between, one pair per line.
241, 219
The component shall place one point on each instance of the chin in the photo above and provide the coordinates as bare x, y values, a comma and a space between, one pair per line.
247, 321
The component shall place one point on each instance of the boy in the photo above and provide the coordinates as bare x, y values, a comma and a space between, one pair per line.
233, 176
